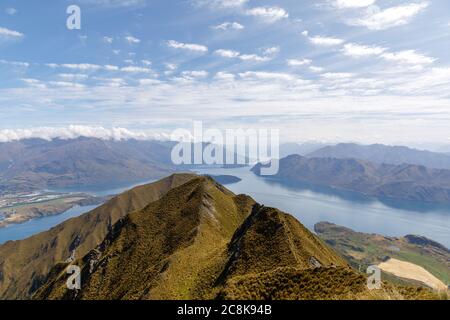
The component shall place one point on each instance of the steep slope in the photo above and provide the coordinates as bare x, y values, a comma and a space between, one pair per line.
200, 241
379, 153
409, 182
38, 164
169, 250
24, 264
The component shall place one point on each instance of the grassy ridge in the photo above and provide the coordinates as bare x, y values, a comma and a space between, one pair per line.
200, 241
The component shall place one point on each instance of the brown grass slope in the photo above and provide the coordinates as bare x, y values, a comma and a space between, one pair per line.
24, 264
200, 241
172, 249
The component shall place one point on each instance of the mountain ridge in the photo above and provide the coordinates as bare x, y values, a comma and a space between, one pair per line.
25, 263
406, 182
383, 154
201, 241
37, 164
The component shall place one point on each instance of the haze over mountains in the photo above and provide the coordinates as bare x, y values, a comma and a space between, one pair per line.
405, 181
379, 153
40, 164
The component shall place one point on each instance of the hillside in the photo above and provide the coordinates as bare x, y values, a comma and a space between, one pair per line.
24, 264
37, 164
362, 249
408, 182
200, 241
379, 153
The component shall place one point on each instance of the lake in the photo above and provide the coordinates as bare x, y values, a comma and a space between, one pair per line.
29, 228
312, 204
309, 204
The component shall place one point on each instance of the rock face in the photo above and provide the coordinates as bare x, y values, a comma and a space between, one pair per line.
200, 241
24, 264
409, 182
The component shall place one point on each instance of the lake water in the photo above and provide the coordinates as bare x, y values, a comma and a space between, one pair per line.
309, 204
29, 228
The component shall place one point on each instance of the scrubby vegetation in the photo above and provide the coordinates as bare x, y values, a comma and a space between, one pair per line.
200, 241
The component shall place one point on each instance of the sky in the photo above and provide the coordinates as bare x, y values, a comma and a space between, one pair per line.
326, 70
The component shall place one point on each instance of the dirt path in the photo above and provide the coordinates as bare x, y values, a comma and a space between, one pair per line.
412, 271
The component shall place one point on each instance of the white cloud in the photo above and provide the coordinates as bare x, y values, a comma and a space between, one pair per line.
146, 62
377, 19
271, 51
66, 84
109, 67
224, 76
15, 63
132, 40
81, 66
268, 55
231, 3
11, 11
195, 74
326, 41
259, 75
220, 4
148, 82
7, 33
132, 69
35, 83
408, 57
227, 53
337, 75
357, 50
171, 66
344, 4
316, 69
268, 14
73, 76
254, 57
72, 132
115, 3
229, 26
392, 101
108, 39
187, 46
298, 62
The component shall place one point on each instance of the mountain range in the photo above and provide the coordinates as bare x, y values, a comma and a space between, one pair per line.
405, 181
37, 164
383, 154
184, 237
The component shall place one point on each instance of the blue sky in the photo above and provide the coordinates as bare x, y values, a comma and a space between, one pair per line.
328, 70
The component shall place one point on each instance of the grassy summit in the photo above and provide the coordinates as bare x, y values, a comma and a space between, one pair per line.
201, 241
